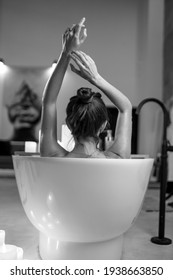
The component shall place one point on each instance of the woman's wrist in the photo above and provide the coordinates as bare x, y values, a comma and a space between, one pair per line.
64, 58
65, 53
97, 80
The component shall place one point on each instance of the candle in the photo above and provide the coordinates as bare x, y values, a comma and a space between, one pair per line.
30, 147
39, 140
2, 237
7, 251
19, 253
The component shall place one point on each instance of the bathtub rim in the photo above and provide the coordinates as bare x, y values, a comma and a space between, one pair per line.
37, 156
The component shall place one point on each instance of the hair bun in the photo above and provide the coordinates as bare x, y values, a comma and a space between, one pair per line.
86, 95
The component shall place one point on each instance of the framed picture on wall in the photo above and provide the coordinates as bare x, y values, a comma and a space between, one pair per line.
21, 102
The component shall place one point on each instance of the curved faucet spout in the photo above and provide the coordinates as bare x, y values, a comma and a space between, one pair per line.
165, 112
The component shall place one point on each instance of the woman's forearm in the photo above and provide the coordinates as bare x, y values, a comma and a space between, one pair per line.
54, 83
116, 96
88, 71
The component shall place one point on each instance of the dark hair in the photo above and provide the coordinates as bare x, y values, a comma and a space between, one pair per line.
86, 112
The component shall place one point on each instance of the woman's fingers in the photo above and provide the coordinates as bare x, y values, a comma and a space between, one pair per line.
77, 60
87, 57
79, 26
82, 21
80, 56
66, 33
86, 60
83, 36
73, 69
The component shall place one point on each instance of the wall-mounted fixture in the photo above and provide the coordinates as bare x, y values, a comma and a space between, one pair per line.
3, 66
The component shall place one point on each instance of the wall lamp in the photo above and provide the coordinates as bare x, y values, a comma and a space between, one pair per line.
2, 63
3, 66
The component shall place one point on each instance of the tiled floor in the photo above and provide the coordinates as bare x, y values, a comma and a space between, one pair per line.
137, 246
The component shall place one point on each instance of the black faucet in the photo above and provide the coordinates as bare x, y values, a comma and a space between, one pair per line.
161, 239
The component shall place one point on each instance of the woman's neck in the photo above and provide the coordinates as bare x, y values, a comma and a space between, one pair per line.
85, 146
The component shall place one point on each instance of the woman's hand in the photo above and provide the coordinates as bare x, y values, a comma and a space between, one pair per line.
74, 37
87, 66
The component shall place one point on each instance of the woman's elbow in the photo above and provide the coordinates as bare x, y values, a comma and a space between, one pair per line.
128, 106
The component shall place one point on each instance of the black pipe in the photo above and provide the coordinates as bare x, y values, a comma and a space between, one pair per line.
161, 239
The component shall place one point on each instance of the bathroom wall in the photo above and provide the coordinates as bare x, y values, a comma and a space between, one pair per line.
168, 54
124, 38
150, 74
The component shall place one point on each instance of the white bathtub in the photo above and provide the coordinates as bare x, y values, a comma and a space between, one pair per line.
81, 207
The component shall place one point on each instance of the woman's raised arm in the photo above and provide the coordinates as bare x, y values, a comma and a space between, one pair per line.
88, 71
72, 40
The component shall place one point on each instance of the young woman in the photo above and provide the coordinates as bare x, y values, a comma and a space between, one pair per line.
86, 112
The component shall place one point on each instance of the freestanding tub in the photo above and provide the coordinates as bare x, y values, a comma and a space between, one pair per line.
81, 207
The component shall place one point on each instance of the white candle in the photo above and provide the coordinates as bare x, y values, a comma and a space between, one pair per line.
30, 147
39, 140
2, 237
19, 253
9, 252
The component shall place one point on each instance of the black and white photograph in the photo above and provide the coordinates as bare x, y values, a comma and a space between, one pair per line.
86, 137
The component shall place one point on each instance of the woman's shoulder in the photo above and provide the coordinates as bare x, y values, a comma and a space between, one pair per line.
97, 154
105, 154
109, 154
